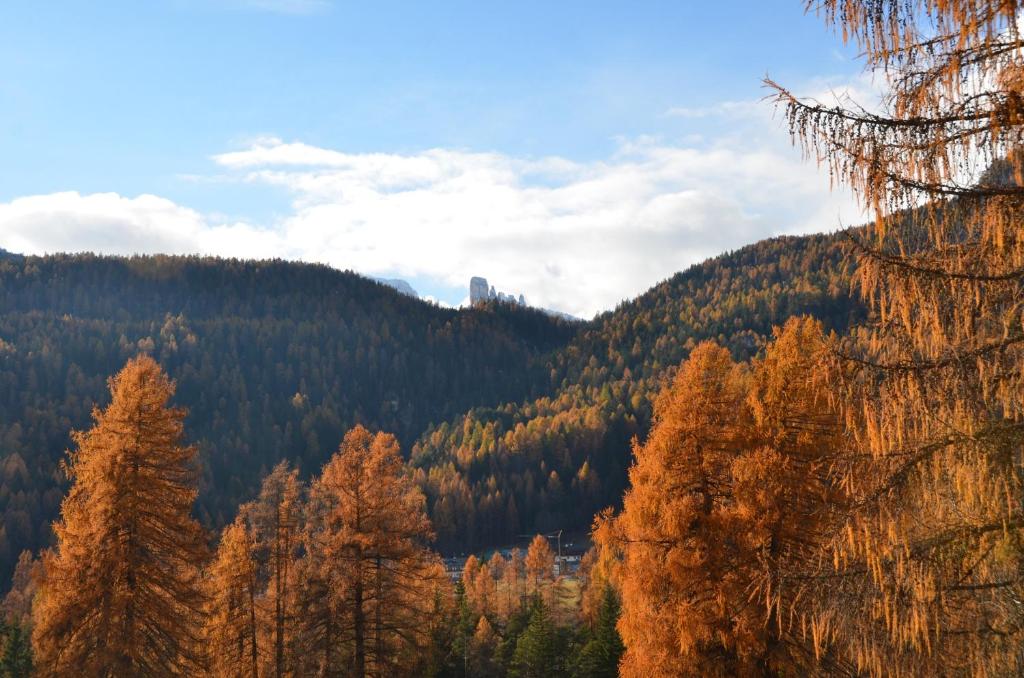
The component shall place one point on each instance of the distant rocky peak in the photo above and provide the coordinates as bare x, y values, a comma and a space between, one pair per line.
480, 292
400, 285
477, 290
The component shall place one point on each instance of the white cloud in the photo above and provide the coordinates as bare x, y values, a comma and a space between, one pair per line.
103, 222
112, 224
574, 236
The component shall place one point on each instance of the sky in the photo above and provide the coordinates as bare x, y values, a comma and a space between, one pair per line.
574, 152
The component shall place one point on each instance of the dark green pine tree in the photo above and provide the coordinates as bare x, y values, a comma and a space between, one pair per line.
599, 658
505, 652
16, 661
538, 653
442, 658
463, 632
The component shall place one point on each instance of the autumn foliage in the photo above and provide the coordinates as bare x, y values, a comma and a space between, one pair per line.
851, 505
121, 593
823, 503
232, 624
728, 504
336, 583
366, 538
928, 558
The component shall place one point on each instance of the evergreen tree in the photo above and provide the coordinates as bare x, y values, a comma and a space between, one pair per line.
16, 661
599, 657
465, 626
538, 653
120, 595
515, 626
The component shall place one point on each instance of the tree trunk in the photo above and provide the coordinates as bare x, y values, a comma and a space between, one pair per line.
379, 624
240, 659
359, 618
278, 592
252, 627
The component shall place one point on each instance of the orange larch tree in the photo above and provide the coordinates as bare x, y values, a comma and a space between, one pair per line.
17, 604
512, 583
233, 648
679, 549
786, 501
319, 607
469, 571
722, 535
275, 518
368, 532
497, 565
121, 592
484, 597
931, 555
539, 563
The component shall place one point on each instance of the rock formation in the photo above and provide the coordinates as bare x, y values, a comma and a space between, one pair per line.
400, 285
478, 290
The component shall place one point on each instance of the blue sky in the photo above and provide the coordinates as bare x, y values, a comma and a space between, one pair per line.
481, 133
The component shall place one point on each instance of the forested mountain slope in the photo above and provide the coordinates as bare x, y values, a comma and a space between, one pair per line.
521, 421
273, 360
549, 463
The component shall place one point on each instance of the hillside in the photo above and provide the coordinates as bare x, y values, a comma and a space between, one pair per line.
515, 420
549, 463
273, 360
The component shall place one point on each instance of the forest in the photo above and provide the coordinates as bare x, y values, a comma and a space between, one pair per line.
275, 361
800, 458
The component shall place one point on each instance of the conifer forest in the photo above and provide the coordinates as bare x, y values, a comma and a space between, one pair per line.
801, 457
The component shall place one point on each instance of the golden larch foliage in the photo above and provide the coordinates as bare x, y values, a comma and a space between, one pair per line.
512, 583
120, 594
366, 539
677, 554
720, 538
929, 561
539, 563
17, 604
275, 520
232, 645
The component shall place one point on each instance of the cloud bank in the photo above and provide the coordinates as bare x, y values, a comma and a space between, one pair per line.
574, 236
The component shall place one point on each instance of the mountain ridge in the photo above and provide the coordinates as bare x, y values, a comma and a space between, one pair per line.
276, 359
550, 463
273, 359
